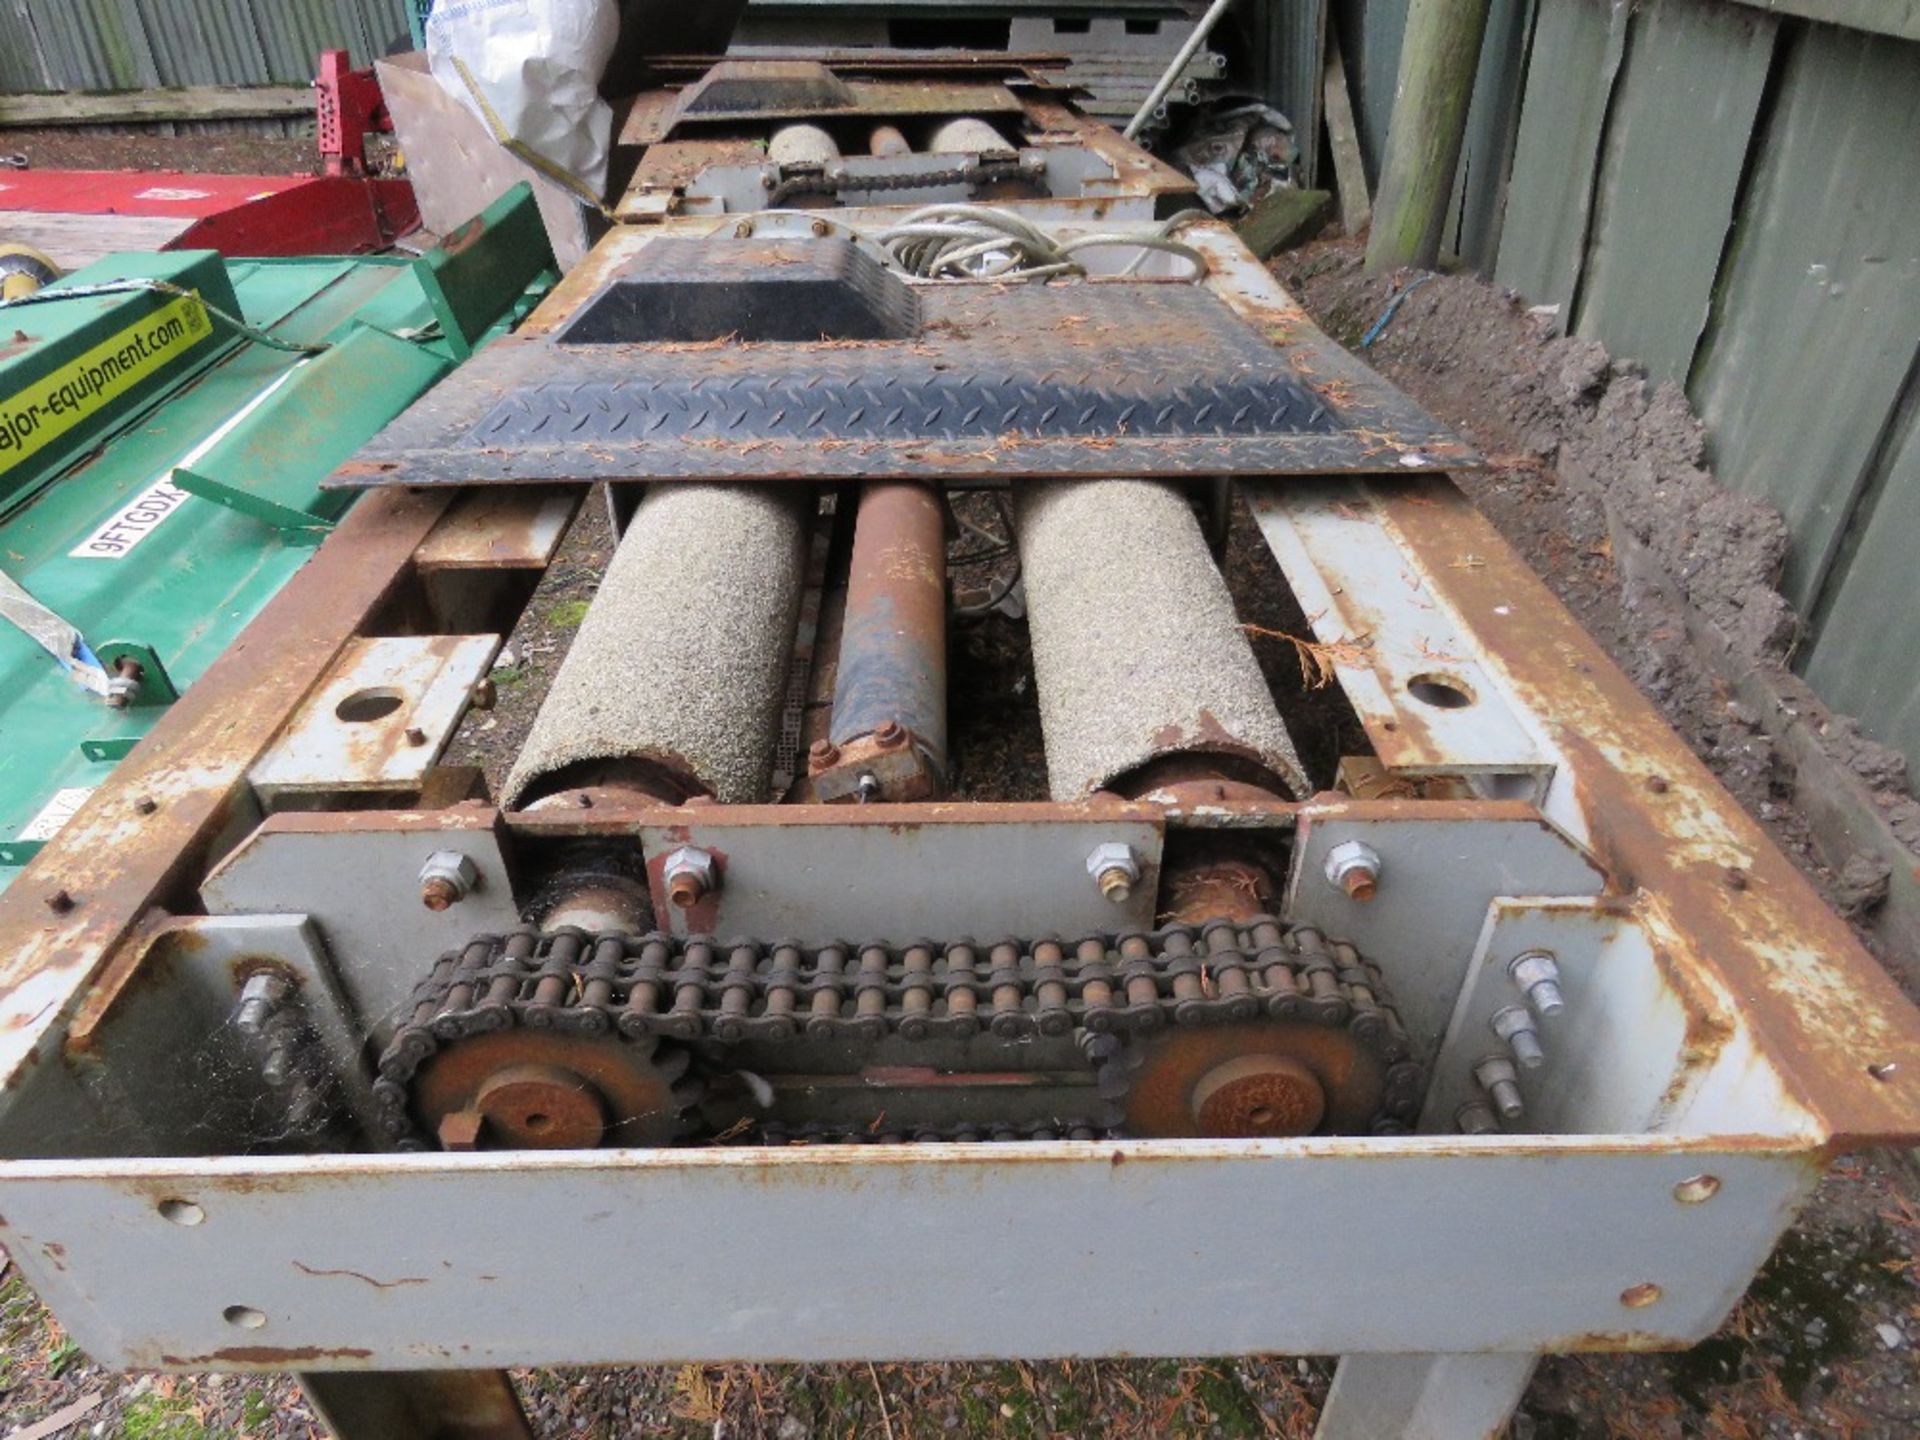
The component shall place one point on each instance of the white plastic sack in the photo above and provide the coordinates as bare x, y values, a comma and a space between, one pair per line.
530, 69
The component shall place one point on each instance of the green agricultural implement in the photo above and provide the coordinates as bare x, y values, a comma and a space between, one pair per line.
165, 423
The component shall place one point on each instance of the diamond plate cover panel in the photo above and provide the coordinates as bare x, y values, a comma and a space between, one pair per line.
1094, 378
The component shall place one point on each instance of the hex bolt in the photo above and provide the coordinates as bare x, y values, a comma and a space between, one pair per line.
416, 736
446, 879
1115, 870
1354, 866
1538, 977
1474, 1118
260, 999
146, 805
823, 754
890, 734
1497, 1077
690, 876
1514, 1024
60, 901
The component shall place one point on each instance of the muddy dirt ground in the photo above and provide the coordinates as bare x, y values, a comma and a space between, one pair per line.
1824, 1343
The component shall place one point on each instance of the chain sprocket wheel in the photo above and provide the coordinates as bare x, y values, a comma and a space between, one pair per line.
1263, 1080
525, 1089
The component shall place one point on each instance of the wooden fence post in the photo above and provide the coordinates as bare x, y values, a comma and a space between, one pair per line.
1438, 60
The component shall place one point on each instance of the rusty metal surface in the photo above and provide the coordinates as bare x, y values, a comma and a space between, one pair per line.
1098, 377
1824, 1011
1254, 1082
537, 1040
119, 855
890, 677
380, 719
526, 1089
1411, 674
499, 529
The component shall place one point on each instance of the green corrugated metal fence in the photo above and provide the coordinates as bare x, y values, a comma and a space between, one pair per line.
51, 45
1729, 195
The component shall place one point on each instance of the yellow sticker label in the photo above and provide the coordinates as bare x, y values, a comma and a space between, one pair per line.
36, 415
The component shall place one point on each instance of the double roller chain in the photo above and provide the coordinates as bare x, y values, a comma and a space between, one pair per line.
1110, 991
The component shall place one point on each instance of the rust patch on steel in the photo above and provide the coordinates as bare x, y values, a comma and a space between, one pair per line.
1822, 1007
277, 1357
306, 1269
507, 530
1170, 1091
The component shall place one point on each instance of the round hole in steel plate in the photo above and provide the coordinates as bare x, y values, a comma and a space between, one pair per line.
181, 1212
1443, 692
1883, 1071
1638, 1297
244, 1316
375, 703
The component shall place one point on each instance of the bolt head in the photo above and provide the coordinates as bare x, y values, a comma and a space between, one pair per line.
689, 874
447, 878
60, 901
1115, 870
1538, 976
890, 733
823, 754
1354, 866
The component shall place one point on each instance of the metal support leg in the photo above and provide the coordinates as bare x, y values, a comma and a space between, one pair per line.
417, 1404
1423, 1397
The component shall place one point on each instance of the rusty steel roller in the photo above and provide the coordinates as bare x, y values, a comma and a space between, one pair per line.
1137, 652
675, 684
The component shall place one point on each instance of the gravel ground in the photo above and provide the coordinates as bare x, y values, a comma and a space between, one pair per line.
1823, 1345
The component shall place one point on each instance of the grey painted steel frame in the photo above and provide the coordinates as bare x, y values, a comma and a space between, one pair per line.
324, 1250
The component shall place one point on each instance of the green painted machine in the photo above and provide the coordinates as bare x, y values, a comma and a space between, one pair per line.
165, 423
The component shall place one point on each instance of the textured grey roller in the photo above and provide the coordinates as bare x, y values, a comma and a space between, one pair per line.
1137, 650
682, 659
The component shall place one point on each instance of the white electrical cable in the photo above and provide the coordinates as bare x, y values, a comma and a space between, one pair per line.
981, 242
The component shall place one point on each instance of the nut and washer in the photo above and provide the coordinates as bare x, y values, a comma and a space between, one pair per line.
447, 878
1497, 1077
1115, 870
1539, 980
1354, 866
689, 875
1514, 1024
